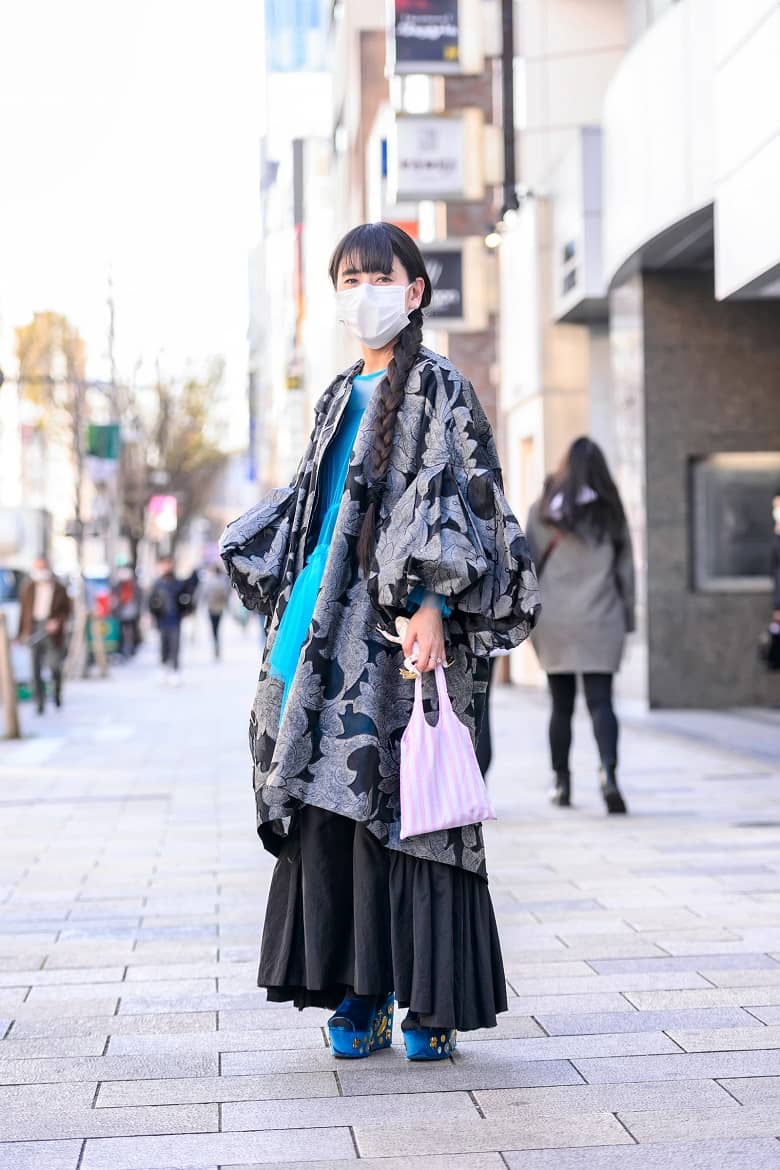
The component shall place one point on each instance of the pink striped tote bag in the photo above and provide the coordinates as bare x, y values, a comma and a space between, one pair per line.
441, 784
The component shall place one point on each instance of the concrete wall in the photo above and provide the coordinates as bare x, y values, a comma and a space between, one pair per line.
698, 376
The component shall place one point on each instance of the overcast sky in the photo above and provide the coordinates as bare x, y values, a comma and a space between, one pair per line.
129, 141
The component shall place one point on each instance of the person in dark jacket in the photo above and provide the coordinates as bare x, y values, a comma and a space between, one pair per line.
581, 546
168, 601
44, 611
776, 559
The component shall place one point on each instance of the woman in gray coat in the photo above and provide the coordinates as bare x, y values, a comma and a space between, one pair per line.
581, 545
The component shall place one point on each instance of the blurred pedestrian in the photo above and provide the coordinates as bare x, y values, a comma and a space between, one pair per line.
582, 550
216, 592
776, 559
43, 614
127, 610
770, 644
168, 601
397, 510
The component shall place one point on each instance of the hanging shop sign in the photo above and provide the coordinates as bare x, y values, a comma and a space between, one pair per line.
162, 515
445, 268
457, 269
437, 157
427, 36
434, 36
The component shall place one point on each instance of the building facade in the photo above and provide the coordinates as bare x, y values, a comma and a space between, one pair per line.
634, 294
639, 304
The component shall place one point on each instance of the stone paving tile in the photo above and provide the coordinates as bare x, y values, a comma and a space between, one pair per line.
686, 1066
10, 998
68, 1096
394, 1074
735, 1039
753, 1090
142, 1005
406, 1110
563, 1024
746, 997
272, 1016
748, 1154
698, 963
567, 1047
599, 984
107, 1068
683, 1125
261, 1040
269, 1061
176, 1023
46, 978
767, 1013
39, 1155
526, 1130
222, 1149
272, 1087
509, 1027
610, 1001
473, 1161
744, 978
44, 1123
60, 1008
571, 1099
26, 1047
128, 992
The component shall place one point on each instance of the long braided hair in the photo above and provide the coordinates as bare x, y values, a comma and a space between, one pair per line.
372, 248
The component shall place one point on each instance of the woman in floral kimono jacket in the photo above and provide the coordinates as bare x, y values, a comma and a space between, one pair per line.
420, 527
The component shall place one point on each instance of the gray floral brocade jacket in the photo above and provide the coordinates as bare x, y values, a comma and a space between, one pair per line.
444, 525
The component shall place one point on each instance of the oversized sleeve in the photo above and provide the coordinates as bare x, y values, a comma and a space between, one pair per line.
453, 533
254, 549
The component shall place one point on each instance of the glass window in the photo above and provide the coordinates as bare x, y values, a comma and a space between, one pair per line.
732, 520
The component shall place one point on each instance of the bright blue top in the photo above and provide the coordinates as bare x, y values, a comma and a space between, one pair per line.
296, 619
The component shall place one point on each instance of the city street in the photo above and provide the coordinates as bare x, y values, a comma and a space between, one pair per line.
643, 957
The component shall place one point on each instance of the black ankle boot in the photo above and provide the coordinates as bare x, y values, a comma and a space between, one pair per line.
561, 793
610, 791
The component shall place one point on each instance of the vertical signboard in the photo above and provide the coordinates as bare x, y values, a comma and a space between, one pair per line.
437, 156
426, 36
445, 268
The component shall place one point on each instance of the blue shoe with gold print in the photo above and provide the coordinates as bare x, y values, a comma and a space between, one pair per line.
427, 1043
361, 1026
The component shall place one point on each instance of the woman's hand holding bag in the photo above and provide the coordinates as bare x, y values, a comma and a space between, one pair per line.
441, 783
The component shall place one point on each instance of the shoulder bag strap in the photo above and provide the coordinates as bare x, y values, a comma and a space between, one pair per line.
551, 547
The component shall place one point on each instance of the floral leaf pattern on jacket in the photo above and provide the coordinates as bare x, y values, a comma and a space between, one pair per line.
444, 524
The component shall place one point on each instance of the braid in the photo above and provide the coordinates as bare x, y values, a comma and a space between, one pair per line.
392, 392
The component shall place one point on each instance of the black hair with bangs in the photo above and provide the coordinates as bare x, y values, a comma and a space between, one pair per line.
370, 248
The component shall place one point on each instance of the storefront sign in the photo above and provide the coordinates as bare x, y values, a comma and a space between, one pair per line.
445, 268
429, 158
427, 36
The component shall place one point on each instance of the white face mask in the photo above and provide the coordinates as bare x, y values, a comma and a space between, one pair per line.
776, 516
41, 574
375, 313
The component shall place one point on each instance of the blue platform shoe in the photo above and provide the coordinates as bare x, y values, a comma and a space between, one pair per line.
427, 1043
361, 1026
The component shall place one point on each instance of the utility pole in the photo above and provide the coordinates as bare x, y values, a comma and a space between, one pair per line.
510, 201
116, 511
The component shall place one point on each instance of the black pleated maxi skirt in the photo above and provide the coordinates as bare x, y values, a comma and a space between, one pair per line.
346, 912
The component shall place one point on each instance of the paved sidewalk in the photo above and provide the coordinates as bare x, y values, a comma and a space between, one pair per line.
643, 956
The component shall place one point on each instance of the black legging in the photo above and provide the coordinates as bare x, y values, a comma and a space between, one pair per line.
598, 696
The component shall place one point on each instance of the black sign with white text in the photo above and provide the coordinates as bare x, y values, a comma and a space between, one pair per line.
426, 36
445, 268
